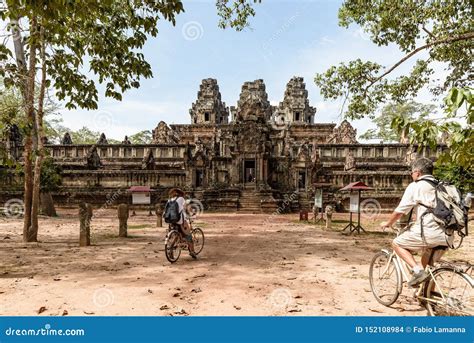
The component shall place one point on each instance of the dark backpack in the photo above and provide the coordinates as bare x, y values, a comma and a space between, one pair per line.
172, 214
449, 210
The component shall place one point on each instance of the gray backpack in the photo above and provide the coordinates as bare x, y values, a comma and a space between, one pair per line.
449, 211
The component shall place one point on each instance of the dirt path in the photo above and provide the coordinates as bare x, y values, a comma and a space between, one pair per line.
247, 267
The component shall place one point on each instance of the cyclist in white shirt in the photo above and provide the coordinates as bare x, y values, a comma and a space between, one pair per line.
425, 233
178, 195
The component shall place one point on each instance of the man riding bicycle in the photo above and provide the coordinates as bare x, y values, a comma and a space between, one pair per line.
177, 195
425, 233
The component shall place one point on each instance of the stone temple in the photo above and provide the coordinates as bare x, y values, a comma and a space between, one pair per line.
249, 157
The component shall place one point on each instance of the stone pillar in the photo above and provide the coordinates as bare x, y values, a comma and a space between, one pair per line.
122, 213
329, 211
85, 216
315, 213
159, 213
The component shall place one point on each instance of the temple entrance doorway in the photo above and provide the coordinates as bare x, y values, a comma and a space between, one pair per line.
199, 178
301, 179
249, 171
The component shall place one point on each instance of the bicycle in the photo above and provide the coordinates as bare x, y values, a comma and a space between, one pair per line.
175, 241
448, 291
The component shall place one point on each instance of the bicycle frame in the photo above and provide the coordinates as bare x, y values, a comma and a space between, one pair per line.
403, 267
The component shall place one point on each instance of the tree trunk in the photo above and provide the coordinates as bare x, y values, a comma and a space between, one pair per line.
47, 204
29, 233
39, 141
27, 87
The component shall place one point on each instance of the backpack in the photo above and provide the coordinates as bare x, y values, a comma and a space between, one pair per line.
172, 214
449, 210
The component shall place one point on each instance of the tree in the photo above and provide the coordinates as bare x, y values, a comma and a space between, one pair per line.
142, 137
444, 30
84, 136
58, 40
235, 14
50, 182
56, 37
393, 112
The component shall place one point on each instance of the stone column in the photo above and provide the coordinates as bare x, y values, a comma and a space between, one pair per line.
122, 213
85, 216
329, 211
159, 213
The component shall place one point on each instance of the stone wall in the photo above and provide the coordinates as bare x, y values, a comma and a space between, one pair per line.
254, 162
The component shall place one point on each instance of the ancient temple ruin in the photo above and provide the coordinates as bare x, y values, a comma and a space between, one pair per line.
254, 161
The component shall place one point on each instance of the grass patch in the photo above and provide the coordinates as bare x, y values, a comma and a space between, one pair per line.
138, 226
340, 221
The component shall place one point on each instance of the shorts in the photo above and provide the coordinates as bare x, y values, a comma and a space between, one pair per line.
412, 239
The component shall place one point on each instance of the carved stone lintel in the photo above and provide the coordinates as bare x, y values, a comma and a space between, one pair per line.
163, 134
344, 134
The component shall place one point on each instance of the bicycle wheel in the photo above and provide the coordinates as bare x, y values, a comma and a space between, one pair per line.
385, 278
198, 240
172, 246
449, 293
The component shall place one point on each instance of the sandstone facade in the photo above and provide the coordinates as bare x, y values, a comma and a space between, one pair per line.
254, 161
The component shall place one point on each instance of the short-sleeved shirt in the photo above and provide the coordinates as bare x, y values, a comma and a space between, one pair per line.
181, 202
420, 192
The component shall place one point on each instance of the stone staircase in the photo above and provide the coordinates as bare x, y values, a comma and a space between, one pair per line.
250, 201
253, 201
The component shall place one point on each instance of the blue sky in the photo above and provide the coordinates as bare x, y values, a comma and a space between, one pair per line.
286, 38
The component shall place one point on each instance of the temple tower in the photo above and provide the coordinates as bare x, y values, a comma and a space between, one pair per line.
209, 107
295, 106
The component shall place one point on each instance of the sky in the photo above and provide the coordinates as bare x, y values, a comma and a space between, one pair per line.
286, 39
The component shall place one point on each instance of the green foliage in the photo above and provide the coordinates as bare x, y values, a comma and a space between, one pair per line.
442, 28
458, 176
50, 175
103, 36
11, 110
84, 136
142, 137
459, 127
54, 128
235, 14
393, 120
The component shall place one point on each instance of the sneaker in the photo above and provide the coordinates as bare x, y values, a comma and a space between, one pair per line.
418, 278
193, 255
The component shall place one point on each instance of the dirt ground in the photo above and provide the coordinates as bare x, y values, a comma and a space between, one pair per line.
252, 264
